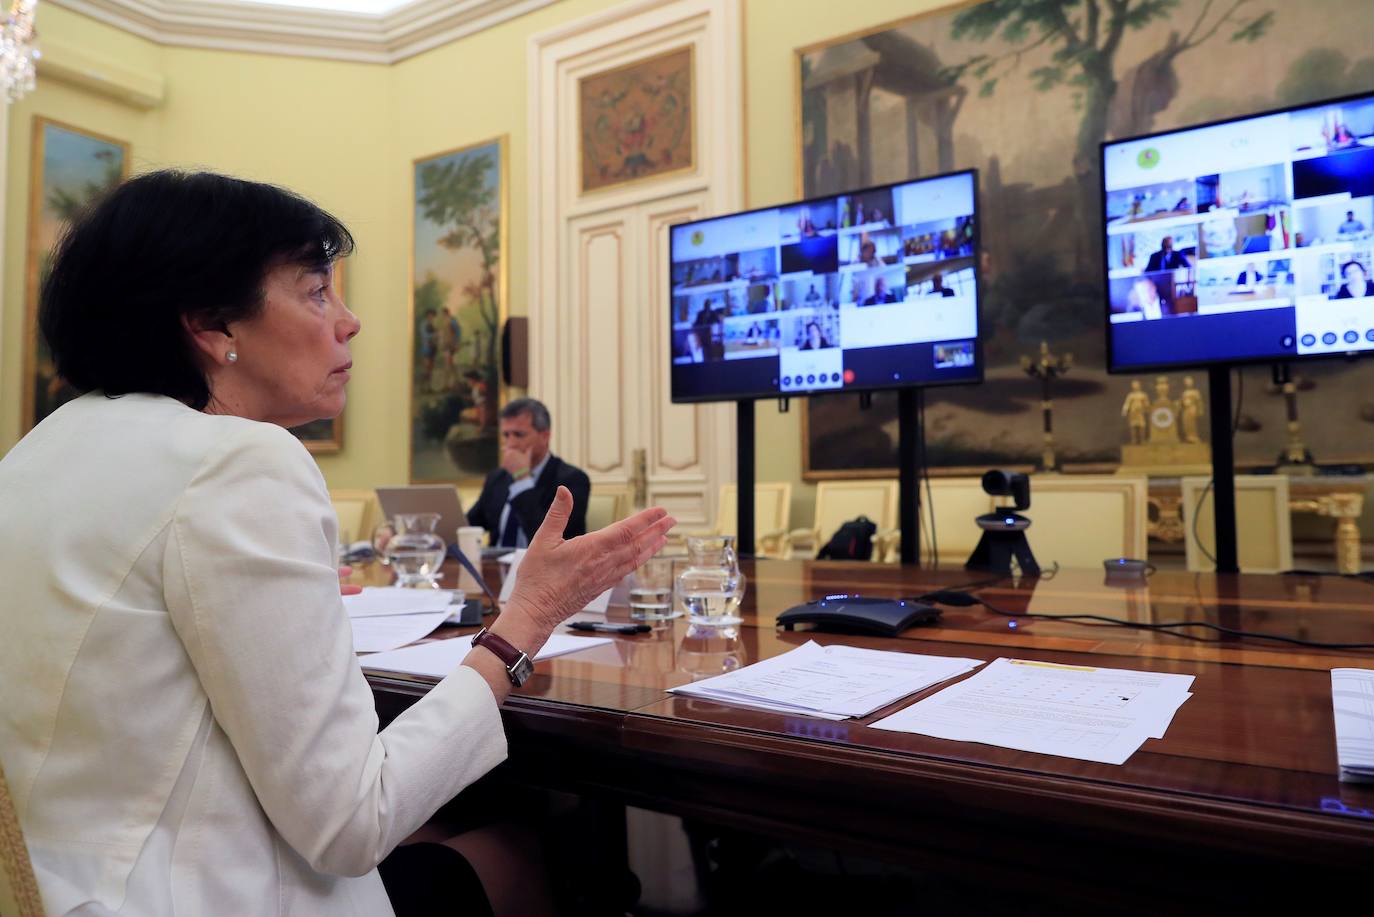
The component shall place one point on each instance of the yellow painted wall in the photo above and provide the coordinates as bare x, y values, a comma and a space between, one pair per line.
345, 134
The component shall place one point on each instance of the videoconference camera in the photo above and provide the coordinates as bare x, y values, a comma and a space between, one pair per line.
1014, 484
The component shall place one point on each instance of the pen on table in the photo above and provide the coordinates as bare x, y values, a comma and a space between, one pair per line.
606, 628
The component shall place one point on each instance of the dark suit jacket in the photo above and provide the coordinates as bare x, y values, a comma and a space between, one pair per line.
533, 505
1160, 261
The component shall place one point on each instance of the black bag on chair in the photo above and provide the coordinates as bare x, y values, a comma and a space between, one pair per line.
851, 541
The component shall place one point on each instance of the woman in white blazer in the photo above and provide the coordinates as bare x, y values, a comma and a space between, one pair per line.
185, 727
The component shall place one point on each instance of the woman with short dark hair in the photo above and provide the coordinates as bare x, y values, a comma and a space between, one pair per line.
186, 724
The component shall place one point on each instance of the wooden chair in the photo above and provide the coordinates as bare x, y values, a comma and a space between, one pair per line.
18, 888
772, 516
1264, 536
604, 507
837, 502
359, 513
954, 503
1080, 520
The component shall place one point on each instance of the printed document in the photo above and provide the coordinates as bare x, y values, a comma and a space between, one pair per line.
378, 633
440, 657
832, 682
375, 601
1081, 712
1352, 694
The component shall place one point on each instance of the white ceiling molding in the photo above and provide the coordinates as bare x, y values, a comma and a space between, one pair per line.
375, 39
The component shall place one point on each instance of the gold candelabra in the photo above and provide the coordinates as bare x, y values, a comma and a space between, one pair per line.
1047, 367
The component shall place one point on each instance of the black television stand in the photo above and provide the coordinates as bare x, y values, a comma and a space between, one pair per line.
1223, 468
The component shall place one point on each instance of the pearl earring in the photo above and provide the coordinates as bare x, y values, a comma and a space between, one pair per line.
232, 356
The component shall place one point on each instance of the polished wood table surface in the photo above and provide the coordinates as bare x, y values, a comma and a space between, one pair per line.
1245, 777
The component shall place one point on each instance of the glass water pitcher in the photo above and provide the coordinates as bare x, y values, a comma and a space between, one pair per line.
410, 546
712, 586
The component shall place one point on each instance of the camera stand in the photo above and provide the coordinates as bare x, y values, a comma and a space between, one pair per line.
1004, 538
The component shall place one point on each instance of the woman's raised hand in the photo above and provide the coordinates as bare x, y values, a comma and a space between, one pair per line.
557, 578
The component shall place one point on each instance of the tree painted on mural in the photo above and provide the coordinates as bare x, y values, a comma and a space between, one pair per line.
459, 196
1084, 37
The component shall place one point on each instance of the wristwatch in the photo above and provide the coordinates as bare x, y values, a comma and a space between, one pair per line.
518, 664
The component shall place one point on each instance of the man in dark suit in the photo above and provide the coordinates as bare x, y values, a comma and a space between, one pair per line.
1166, 259
517, 496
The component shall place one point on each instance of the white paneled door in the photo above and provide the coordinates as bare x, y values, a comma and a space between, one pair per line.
600, 335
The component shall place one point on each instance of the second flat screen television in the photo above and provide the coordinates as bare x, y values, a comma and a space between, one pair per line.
866, 290
1250, 240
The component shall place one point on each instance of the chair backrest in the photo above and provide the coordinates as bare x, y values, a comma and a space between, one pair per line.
955, 504
772, 508
1264, 536
18, 887
359, 513
604, 508
837, 502
1080, 520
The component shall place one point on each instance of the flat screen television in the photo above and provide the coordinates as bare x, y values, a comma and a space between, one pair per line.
1242, 241
866, 290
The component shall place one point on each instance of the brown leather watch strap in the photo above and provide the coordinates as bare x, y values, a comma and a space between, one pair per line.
499, 646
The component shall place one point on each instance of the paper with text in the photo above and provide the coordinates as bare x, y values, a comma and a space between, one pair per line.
378, 633
1352, 696
374, 601
1081, 712
841, 680
440, 657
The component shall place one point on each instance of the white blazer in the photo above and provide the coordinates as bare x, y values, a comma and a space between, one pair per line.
183, 722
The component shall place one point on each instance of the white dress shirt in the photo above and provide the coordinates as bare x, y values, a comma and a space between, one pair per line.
185, 727
524, 485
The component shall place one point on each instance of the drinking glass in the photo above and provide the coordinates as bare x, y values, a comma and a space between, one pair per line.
651, 591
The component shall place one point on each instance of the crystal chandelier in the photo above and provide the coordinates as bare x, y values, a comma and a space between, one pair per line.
17, 52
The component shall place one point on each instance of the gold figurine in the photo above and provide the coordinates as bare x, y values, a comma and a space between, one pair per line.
1133, 409
1190, 410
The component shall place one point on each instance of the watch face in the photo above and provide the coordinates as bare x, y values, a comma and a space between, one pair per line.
521, 671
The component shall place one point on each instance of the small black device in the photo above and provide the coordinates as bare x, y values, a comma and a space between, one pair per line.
1004, 529
865, 614
609, 627
1125, 571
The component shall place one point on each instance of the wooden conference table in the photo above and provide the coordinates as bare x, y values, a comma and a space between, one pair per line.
1241, 794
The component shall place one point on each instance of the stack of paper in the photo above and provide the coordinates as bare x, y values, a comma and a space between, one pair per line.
439, 657
1081, 712
384, 618
1352, 694
830, 682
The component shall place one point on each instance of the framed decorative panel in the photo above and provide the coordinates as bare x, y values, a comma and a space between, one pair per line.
458, 303
636, 121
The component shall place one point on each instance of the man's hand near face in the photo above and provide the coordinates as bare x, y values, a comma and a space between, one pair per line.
516, 461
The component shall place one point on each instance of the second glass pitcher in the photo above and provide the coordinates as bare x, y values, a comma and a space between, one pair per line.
712, 586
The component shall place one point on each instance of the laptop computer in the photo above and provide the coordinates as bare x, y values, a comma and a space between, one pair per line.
426, 498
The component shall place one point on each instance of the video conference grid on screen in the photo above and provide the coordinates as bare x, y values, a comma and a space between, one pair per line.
874, 289
1247, 240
